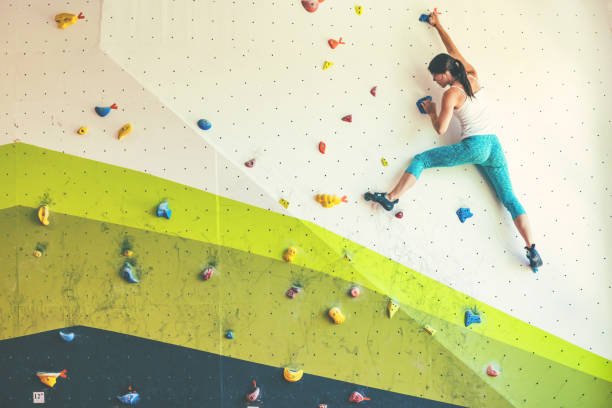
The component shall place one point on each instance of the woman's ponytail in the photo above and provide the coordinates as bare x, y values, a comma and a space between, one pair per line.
459, 73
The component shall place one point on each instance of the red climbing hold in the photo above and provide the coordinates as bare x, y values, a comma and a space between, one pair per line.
250, 163
373, 91
348, 118
357, 398
333, 43
322, 147
399, 214
491, 372
252, 397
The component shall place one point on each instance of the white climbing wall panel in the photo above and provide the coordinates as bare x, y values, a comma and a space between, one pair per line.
254, 70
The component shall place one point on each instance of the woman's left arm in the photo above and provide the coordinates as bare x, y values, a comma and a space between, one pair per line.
441, 122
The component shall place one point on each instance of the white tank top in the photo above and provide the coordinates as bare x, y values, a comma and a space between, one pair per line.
474, 115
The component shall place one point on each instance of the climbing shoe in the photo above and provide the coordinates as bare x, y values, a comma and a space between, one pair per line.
534, 258
381, 199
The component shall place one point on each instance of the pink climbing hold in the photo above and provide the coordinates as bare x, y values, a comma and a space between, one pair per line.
399, 215
250, 163
357, 398
253, 396
355, 292
373, 91
348, 118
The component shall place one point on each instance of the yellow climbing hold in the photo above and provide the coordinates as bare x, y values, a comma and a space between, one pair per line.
82, 130
327, 64
358, 10
392, 307
125, 129
429, 330
289, 254
43, 215
64, 20
328, 200
336, 315
384, 162
284, 202
293, 375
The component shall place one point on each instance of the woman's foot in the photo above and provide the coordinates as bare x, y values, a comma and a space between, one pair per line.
534, 258
380, 198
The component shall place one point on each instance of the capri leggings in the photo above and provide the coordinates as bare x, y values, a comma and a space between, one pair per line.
486, 153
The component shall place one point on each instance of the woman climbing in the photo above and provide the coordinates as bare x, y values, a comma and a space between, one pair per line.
478, 145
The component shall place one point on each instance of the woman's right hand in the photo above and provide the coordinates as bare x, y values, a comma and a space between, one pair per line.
433, 19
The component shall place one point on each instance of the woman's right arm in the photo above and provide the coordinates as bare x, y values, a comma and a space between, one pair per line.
450, 46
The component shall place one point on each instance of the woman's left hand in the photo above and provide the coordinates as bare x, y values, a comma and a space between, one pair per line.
429, 106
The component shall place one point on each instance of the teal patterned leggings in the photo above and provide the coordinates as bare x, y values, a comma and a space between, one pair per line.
486, 153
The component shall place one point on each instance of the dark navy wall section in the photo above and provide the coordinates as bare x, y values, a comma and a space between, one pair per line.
103, 364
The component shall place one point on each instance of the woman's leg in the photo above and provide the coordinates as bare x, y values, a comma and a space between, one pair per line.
522, 225
468, 151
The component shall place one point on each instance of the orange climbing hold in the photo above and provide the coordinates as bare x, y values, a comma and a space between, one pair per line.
322, 147
333, 43
43, 215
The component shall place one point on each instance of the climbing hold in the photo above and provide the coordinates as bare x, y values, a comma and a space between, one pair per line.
67, 337
471, 317
328, 201
250, 163
293, 375
424, 18
82, 130
355, 291
327, 64
420, 101
163, 210
347, 257
64, 20
284, 202
333, 43
294, 290
103, 111
254, 396
384, 162
208, 273
392, 307
311, 5
373, 91
128, 253
37, 253
348, 118
229, 335
125, 129
356, 397
322, 147
464, 214
289, 254
128, 273
429, 330
130, 398
492, 372
358, 10
336, 315
49, 379
204, 124
322, 405
399, 215
43, 215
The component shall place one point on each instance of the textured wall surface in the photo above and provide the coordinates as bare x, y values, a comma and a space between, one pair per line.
254, 70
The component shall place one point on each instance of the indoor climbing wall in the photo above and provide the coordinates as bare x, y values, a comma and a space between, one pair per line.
211, 289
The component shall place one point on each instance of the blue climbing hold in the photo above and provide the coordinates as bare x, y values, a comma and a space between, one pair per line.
229, 335
130, 398
424, 18
128, 273
163, 210
471, 317
105, 110
420, 101
67, 337
204, 124
464, 214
